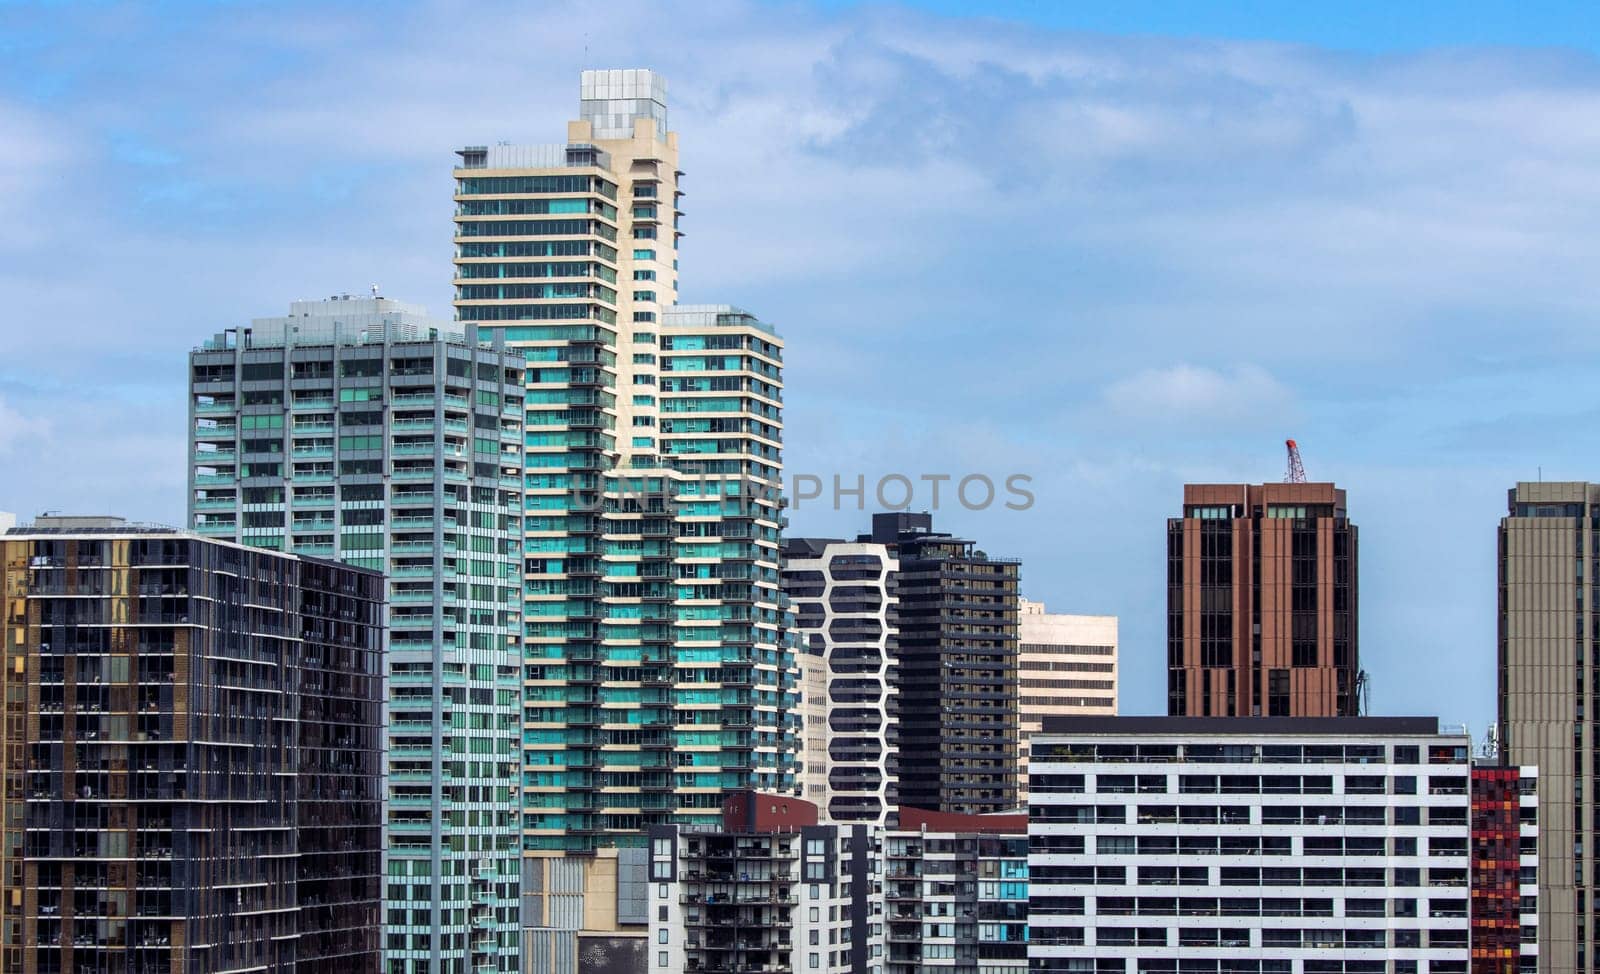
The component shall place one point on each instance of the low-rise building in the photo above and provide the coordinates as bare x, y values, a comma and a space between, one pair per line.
1249, 846
956, 893
771, 890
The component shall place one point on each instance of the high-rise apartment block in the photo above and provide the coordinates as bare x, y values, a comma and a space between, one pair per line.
656, 674
1505, 869
1161, 845
1261, 602
843, 595
1549, 607
957, 668
1067, 666
193, 755
361, 430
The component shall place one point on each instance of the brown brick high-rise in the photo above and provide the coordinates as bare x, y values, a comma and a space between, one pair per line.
1261, 602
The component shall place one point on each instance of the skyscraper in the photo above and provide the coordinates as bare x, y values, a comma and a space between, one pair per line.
193, 754
1549, 588
843, 595
362, 430
656, 676
1261, 602
957, 671
1067, 666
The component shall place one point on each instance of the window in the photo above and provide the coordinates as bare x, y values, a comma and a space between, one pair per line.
644, 295
661, 862
661, 958
661, 936
644, 255
815, 960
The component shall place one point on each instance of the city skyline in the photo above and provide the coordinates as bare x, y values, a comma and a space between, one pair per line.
1167, 268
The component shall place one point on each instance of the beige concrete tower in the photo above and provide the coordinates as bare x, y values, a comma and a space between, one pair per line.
1067, 666
1549, 546
656, 680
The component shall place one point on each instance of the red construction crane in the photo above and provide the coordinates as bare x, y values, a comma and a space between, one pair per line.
1297, 470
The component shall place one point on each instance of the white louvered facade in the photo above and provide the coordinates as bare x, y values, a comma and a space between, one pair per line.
1249, 846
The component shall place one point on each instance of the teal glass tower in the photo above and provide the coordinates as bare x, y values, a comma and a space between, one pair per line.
656, 674
361, 430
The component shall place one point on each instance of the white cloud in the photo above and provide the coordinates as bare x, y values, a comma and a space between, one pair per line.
16, 427
1199, 394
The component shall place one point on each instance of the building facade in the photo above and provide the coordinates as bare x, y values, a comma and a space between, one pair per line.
955, 893
1549, 636
1505, 869
957, 668
657, 676
1262, 603
769, 890
193, 755
843, 594
1066, 665
586, 913
364, 431
1249, 846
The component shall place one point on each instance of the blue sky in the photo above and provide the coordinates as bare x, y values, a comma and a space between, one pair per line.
1116, 247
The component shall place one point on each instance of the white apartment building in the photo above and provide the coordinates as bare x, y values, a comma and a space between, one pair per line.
1174, 845
844, 601
1066, 665
770, 891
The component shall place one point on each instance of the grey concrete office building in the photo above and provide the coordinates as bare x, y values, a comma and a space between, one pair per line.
1549, 635
359, 429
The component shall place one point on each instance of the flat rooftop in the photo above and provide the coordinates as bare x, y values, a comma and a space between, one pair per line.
1085, 726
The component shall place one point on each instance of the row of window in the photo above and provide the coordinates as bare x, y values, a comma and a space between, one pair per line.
1250, 906
1270, 784
1091, 753
1241, 814
1250, 845
1325, 876
1248, 965
1314, 938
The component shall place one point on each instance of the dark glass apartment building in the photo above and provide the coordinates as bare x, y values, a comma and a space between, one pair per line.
192, 755
1261, 603
957, 675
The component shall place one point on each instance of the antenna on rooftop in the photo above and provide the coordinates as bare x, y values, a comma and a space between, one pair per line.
374, 290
